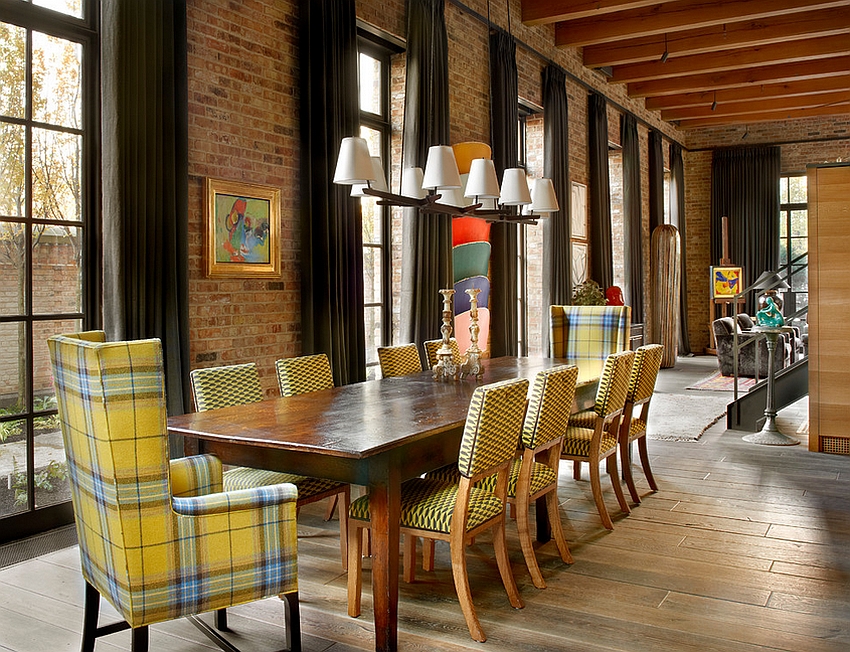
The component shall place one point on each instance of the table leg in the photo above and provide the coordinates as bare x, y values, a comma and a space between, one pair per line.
385, 508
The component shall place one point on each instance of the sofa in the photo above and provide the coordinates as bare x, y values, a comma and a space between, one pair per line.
724, 329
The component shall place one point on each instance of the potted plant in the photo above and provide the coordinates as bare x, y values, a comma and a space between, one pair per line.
589, 294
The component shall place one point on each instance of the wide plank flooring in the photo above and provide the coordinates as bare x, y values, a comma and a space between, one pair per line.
743, 548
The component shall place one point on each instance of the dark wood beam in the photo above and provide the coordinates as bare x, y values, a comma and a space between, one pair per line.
777, 53
767, 116
762, 91
673, 16
751, 33
786, 72
541, 12
756, 106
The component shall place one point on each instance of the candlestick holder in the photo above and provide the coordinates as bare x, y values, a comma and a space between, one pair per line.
471, 365
446, 369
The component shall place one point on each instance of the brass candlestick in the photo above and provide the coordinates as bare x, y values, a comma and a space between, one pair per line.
472, 361
446, 369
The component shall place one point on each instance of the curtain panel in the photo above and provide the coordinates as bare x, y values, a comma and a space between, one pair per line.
745, 188
632, 231
677, 219
601, 256
145, 182
557, 281
332, 238
426, 239
656, 181
504, 117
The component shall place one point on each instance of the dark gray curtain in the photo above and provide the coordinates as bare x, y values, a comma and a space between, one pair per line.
656, 181
601, 256
145, 181
426, 239
745, 187
632, 231
332, 251
504, 116
677, 219
557, 283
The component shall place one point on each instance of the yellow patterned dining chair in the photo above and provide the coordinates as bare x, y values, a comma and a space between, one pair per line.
158, 539
592, 435
226, 386
457, 512
432, 346
307, 373
633, 424
401, 360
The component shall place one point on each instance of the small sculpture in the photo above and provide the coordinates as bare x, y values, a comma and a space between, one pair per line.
769, 315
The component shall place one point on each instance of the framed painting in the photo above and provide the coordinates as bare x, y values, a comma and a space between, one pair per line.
579, 263
578, 211
726, 281
242, 237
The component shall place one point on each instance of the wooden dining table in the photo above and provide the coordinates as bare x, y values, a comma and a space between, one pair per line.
376, 433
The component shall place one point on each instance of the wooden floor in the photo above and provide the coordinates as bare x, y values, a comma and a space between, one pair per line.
743, 548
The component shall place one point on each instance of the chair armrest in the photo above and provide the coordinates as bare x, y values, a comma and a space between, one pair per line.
196, 475
232, 501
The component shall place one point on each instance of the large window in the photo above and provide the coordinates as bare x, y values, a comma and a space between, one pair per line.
47, 119
794, 240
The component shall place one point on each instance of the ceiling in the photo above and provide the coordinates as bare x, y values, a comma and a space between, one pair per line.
704, 63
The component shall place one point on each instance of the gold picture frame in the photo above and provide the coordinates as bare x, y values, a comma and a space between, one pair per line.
242, 232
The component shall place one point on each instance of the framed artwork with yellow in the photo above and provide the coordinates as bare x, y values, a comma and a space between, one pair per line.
726, 281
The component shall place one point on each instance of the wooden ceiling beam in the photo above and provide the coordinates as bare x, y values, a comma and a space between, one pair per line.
760, 92
751, 33
777, 53
541, 12
786, 72
756, 106
768, 116
674, 16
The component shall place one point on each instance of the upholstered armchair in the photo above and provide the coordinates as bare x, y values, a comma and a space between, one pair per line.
585, 334
724, 329
158, 539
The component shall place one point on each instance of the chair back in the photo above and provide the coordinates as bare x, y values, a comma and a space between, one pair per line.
586, 333
614, 384
644, 373
308, 373
432, 346
493, 424
226, 386
111, 401
548, 411
400, 360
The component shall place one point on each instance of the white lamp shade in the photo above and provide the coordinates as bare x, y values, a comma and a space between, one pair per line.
482, 182
354, 165
543, 199
453, 197
514, 188
411, 183
441, 168
380, 182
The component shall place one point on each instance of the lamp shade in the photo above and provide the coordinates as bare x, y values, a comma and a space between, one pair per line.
770, 281
453, 197
380, 182
482, 182
514, 188
354, 165
543, 199
441, 168
411, 183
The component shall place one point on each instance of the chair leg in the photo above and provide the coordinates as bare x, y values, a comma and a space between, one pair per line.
596, 489
427, 554
329, 511
555, 524
464, 595
292, 617
504, 564
409, 558
141, 637
221, 620
355, 563
343, 526
626, 460
525, 542
644, 462
576, 470
90, 613
611, 467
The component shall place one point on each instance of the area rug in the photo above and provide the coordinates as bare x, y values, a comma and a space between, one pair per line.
717, 383
684, 417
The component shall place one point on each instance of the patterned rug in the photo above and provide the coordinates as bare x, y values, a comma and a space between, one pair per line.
684, 417
717, 383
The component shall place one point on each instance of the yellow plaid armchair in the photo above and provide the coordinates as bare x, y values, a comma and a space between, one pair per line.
157, 539
581, 334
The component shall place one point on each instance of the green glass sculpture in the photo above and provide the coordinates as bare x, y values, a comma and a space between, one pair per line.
770, 315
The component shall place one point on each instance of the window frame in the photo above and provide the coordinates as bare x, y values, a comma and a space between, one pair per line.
785, 211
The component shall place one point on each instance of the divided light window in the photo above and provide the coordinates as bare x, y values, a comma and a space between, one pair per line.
794, 240
47, 170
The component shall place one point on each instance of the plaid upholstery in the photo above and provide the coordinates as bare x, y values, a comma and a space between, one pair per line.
582, 333
195, 476
309, 373
153, 556
399, 360
220, 387
644, 372
432, 346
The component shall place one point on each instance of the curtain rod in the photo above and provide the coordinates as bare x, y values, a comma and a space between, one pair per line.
483, 19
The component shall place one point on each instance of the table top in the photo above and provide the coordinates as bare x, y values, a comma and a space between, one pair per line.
352, 421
